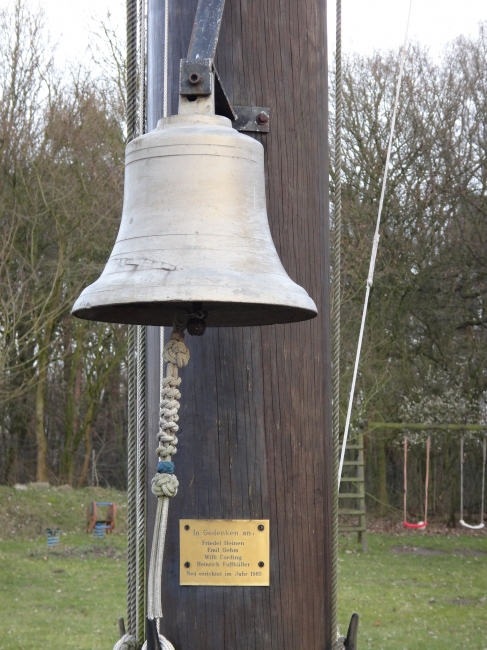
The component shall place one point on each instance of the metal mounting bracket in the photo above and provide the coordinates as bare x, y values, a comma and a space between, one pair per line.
199, 78
252, 118
195, 77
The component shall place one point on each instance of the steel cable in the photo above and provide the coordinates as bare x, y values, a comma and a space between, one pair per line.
131, 70
141, 366
375, 245
131, 483
141, 481
336, 300
131, 119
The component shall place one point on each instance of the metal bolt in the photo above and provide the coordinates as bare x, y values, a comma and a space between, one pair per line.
260, 527
261, 564
196, 327
186, 527
187, 565
194, 79
262, 119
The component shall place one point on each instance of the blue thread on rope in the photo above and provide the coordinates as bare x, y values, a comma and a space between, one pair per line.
165, 467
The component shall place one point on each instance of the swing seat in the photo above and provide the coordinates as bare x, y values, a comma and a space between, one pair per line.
470, 527
419, 526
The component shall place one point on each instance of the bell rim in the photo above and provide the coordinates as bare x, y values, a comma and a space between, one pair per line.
220, 314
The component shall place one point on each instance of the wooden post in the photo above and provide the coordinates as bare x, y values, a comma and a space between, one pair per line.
255, 438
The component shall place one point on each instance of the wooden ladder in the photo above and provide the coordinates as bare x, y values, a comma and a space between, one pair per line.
354, 484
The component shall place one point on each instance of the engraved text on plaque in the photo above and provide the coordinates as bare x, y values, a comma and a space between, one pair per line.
224, 552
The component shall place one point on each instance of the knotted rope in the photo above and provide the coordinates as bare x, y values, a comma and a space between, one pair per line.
165, 484
128, 642
164, 643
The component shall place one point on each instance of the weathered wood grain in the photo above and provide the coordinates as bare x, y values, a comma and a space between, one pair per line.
255, 438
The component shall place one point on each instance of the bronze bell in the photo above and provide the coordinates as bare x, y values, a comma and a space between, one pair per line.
194, 229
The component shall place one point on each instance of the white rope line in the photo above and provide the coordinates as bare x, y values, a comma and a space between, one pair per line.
375, 245
164, 483
142, 64
166, 60
157, 553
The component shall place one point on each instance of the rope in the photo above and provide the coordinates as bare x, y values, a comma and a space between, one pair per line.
375, 245
405, 474
141, 480
336, 304
164, 643
141, 374
484, 455
129, 642
421, 524
164, 483
131, 71
131, 66
427, 479
131, 483
142, 66
462, 460
166, 56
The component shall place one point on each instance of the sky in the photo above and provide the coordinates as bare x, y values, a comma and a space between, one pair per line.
366, 25
381, 24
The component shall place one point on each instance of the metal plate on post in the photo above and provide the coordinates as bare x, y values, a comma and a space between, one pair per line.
252, 118
224, 552
195, 77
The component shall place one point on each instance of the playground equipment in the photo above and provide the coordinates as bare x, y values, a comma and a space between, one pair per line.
52, 537
98, 525
462, 460
422, 524
355, 494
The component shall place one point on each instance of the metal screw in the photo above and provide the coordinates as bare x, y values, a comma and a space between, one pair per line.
196, 326
187, 565
194, 79
262, 119
186, 527
261, 564
260, 527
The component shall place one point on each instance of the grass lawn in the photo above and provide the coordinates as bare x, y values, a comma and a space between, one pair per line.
69, 597
413, 591
416, 591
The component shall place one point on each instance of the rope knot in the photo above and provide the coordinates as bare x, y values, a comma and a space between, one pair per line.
165, 467
165, 644
127, 642
165, 485
175, 351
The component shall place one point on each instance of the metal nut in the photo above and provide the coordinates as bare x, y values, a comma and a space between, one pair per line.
196, 327
262, 119
194, 78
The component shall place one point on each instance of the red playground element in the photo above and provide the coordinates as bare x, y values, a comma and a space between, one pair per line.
94, 518
421, 524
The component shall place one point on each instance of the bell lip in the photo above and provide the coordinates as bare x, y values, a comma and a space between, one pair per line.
220, 314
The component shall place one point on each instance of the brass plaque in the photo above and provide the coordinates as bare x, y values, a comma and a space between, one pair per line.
224, 552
